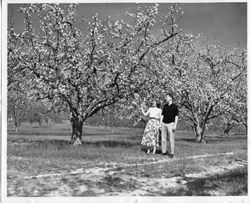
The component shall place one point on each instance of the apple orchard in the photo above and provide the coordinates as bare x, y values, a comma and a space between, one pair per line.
120, 64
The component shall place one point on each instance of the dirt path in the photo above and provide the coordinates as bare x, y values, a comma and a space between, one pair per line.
103, 181
113, 166
152, 186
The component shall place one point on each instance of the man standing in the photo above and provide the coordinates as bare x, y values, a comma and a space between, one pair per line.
169, 121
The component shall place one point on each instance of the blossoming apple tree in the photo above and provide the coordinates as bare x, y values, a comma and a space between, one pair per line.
207, 80
85, 71
17, 98
204, 78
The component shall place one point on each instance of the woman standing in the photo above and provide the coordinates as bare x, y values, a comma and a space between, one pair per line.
150, 137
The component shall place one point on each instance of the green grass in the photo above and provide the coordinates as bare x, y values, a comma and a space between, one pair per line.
49, 156
121, 147
177, 167
36, 150
64, 129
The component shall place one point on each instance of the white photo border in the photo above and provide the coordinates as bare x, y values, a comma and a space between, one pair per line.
115, 199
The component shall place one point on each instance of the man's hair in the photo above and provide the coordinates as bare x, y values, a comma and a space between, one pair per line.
171, 95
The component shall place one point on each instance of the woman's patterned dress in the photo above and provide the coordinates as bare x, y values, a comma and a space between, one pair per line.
151, 133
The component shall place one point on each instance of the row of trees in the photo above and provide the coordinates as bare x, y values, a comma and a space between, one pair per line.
209, 84
124, 63
22, 109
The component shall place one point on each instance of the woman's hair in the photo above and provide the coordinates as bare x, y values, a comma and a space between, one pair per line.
158, 104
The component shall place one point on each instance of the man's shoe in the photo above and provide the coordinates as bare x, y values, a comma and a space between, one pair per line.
164, 154
171, 156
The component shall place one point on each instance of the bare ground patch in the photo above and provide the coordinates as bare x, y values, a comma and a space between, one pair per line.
123, 179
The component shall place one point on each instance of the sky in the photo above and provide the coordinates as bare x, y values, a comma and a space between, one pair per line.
226, 22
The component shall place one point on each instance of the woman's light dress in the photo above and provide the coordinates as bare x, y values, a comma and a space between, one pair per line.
151, 133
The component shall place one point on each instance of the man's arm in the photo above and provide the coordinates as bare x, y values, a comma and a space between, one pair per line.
176, 118
161, 118
175, 122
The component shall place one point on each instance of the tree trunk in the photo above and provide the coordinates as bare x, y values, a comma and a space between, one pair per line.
228, 128
76, 136
245, 124
199, 133
16, 127
226, 131
40, 122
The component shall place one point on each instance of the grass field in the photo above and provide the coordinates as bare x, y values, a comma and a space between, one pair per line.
41, 162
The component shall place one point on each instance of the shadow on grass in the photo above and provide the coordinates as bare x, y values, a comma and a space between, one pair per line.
62, 130
145, 148
110, 143
116, 184
233, 183
193, 140
33, 133
214, 139
64, 143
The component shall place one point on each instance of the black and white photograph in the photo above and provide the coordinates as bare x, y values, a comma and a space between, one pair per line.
126, 99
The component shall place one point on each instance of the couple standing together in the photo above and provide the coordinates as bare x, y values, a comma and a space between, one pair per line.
165, 119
